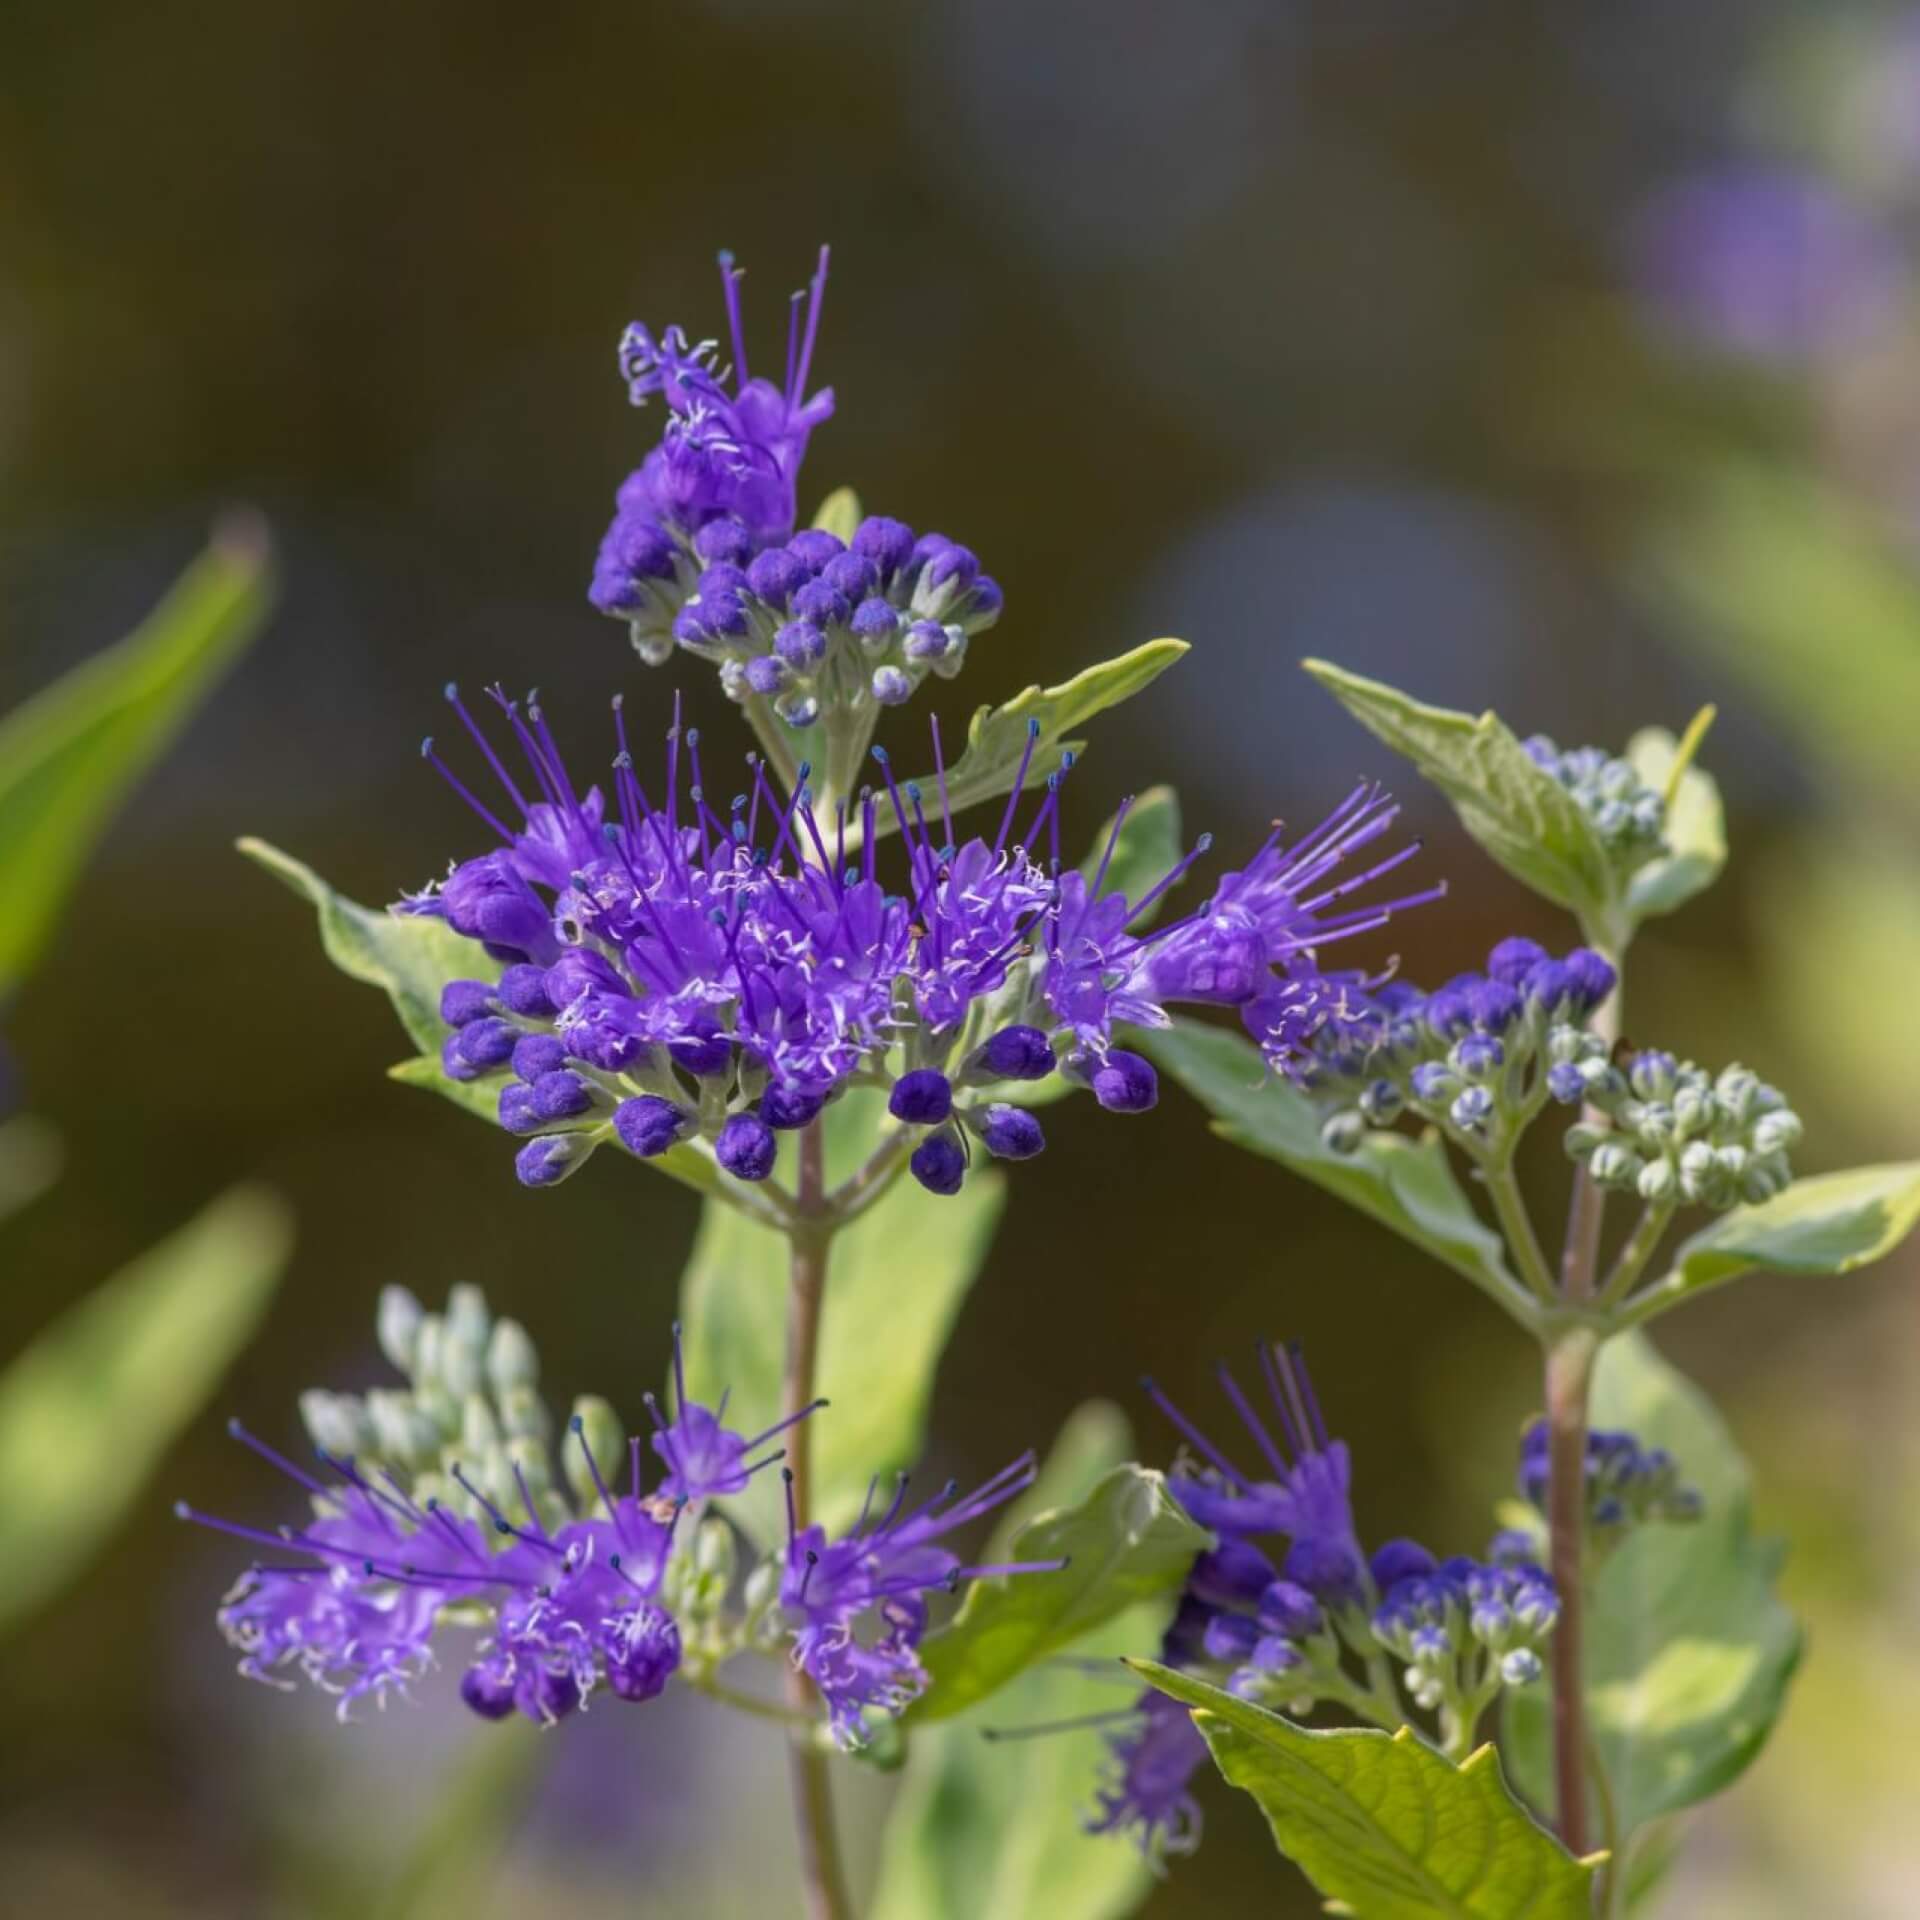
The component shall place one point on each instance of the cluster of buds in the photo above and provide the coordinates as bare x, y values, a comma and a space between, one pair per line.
1466, 1056
820, 624
1628, 816
1672, 1131
469, 1425
1627, 1485
1464, 1628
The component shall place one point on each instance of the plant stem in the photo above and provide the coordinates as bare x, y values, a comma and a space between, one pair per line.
1510, 1209
810, 1238
1636, 1253
1569, 1374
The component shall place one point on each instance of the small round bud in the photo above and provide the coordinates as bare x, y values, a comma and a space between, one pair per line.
1471, 1109
887, 543
512, 1360
336, 1423
1016, 1053
922, 1098
648, 1125
724, 540
1401, 1560
1433, 1083
876, 626
1565, 1084
939, 1164
1229, 1638
535, 1054
1478, 1055
515, 1109
891, 687
1777, 1132
464, 1001
819, 603
486, 1692
561, 1095
1011, 1133
547, 1161
487, 1043
775, 575
927, 640
1658, 1181
814, 546
1232, 1574
1344, 1132
397, 1324
746, 1147
789, 1108
1125, 1083
851, 575
1381, 1102
797, 709
1512, 960
1521, 1667
1288, 1608
767, 673
801, 645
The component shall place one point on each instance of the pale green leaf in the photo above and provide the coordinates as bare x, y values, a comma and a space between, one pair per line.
839, 514
1689, 1651
87, 1411
68, 756
898, 1276
997, 1827
1148, 847
1383, 1823
1517, 811
1696, 830
1828, 1223
1405, 1184
1126, 1542
411, 955
997, 736
29, 1162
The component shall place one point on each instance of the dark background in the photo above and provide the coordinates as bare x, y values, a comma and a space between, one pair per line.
1244, 322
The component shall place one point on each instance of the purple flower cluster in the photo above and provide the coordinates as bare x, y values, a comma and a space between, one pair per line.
579, 1596
1273, 1628
820, 623
667, 971
858, 1605
721, 481
1484, 1044
1626, 1483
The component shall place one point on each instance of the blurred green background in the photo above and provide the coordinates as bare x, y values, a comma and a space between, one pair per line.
1550, 356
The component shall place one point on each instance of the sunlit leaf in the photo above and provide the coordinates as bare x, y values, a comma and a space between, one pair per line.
840, 514
1829, 1223
1383, 1823
997, 736
1126, 1542
1518, 812
87, 1411
1403, 1183
898, 1276
1696, 830
1689, 1651
998, 1827
68, 756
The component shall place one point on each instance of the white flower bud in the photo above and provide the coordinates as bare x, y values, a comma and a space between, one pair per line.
397, 1322
512, 1360
336, 1422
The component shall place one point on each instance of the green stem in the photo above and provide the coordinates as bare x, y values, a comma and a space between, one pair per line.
810, 1239
852, 1197
1510, 1209
1570, 1356
1634, 1256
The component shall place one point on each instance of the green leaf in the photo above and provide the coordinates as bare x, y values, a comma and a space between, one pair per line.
839, 514
1519, 813
1382, 1823
29, 1162
1126, 1542
1148, 846
412, 956
997, 736
1696, 830
1829, 1223
87, 1411
898, 1276
68, 756
1689, 1651
994, 1827
1405, 1184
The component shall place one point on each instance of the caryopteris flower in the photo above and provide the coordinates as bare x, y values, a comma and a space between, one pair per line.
1286, 1605
670, 972
1627, 1484
719, 486
438, 1507
857, 1606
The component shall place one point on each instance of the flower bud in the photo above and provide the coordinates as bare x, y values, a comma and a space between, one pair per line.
523, 1414
939, 1164
479, 1430
397, 1323
746, 1147
1381, 1102
1343, 1132
336, 1423
1521, 1667
512, 1360
1658, 1181
403, 1431
923, 1098
1777, 1132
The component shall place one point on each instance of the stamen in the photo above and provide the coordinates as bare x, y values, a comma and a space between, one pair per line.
1194, 1437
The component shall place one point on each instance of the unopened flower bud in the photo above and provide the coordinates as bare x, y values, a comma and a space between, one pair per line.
1344, 1132
397, 1323
1658, 1181
1521, 1667
1777, 1132
337, 1423
524, 1414
512, 1360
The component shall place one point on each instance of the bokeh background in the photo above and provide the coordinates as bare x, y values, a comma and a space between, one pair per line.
1548, 356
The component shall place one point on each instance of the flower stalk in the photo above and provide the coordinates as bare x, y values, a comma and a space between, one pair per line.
810, 1239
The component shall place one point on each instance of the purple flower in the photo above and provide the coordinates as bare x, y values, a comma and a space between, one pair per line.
747, 948
857, 1606
1148, 1791
720, 484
